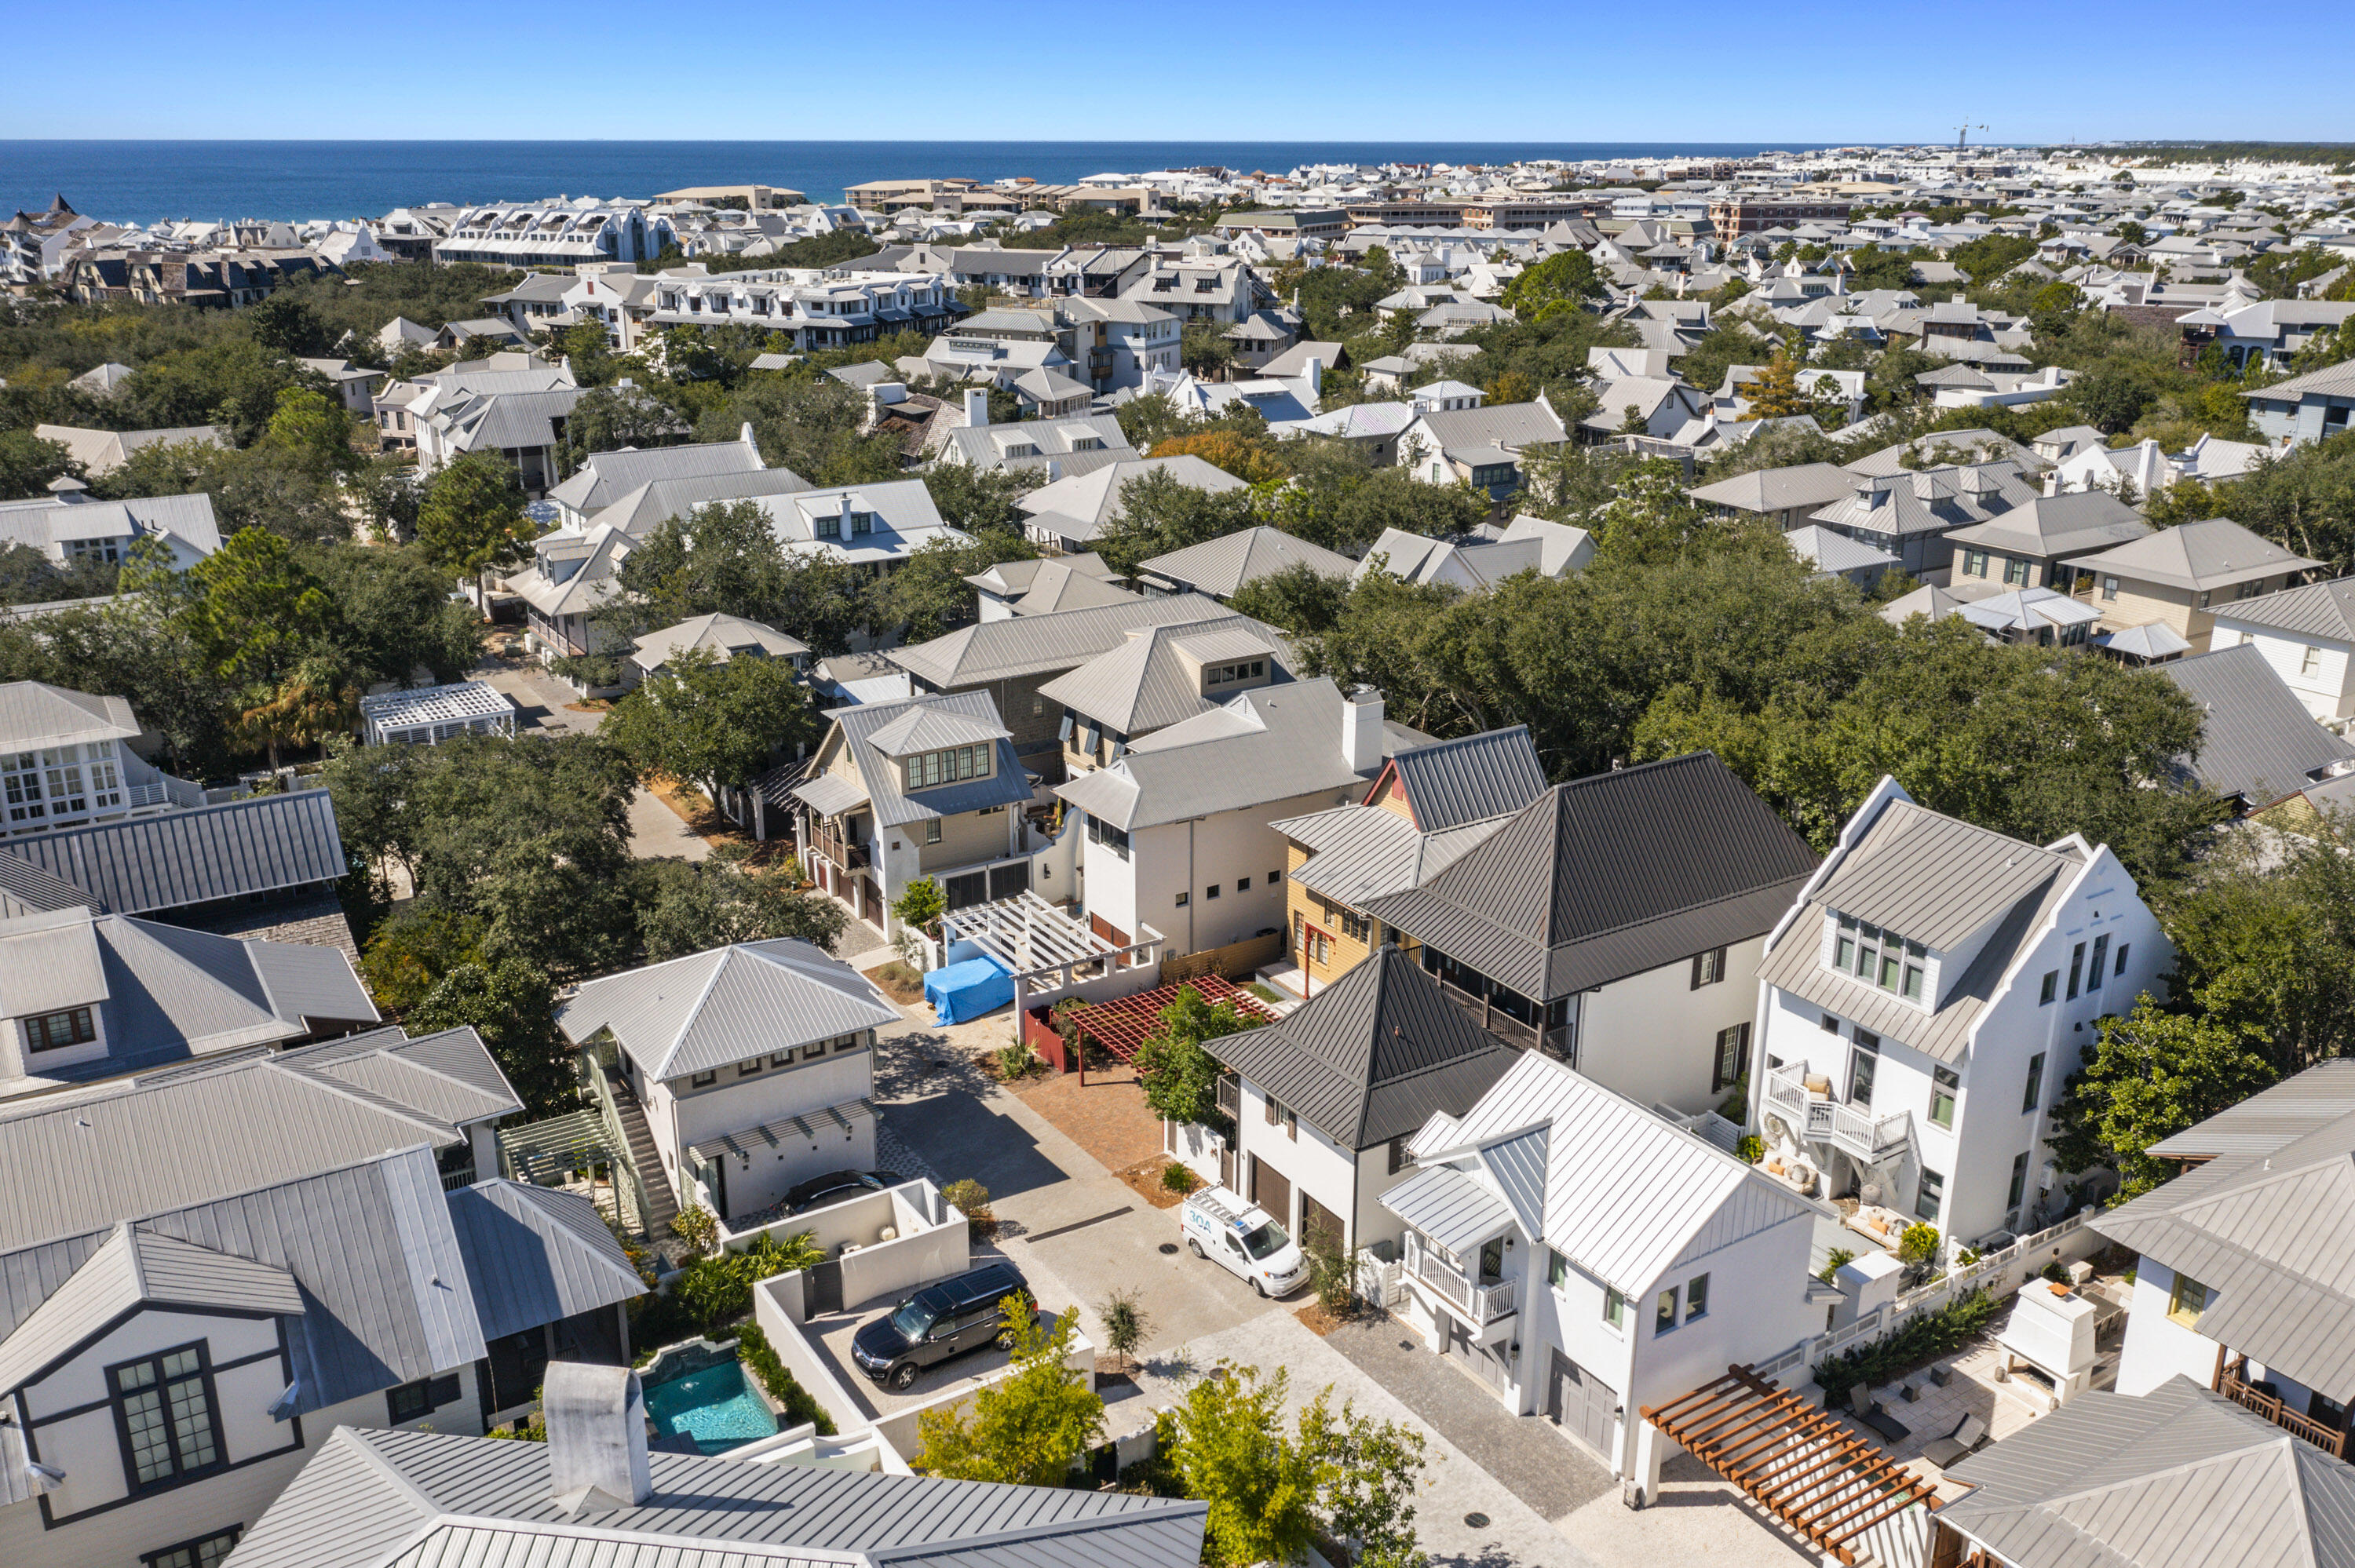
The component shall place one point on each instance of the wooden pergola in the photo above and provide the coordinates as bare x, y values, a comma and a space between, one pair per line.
1797, 1461
1125, 1023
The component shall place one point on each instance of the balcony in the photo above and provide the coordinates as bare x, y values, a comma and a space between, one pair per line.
2232, 1383
1561, 1042
1479, 1303
1819, 1119
843, 854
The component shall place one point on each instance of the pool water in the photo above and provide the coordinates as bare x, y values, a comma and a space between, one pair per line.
717, 1407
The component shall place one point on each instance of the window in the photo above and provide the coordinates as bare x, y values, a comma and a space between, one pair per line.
1614, 1307
2015, 571
415, 1401
2203, 600
1732, 1057
746, 1069
1273, 877
1181, 900
862, 523
2110, 589
1931, 1192
1354, 926
933, 831
2093, 969
2121, 965
1664, 1312
928, 768
2186, 1301
1397, 1156
53, 1030
1974, 563
163, 1412
2018, 1181
2034, 1095
1114, 840
829, 527
703, 1080
1697, 1298
2310, 661
204, 1553
1242, 885
2076, 968
1832, 1025
2052, 988
1880, 958
1864, 1058
1708, 968
1944, 1083
814, 1048
1556, 1269
783, 1058
1211, 891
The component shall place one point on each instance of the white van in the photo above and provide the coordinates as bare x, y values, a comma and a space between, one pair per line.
1244, 1239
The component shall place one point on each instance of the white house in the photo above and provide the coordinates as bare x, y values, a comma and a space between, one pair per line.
1587, 1258
2305, 634
752, 1065
1924, 1000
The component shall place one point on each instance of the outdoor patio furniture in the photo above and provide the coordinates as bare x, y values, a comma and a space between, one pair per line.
1869, 1411
1941, 1374
1909, 1392
1970, 1434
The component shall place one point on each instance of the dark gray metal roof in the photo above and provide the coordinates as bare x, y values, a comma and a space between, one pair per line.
1493, 774
1372, 1055
1611, 876
534, 1255
772, 1513
2179, 1477
168, 861
2257, 742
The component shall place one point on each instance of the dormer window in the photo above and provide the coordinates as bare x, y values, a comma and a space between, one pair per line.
829, 527
862, 522
1880, 958
1226, 674
55, 1031
927, 769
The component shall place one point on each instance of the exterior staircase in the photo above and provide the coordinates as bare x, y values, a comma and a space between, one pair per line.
662, 1203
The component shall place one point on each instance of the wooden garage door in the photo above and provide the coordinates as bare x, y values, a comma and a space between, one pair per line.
1315, 1218
1271, 1191
1577, 1399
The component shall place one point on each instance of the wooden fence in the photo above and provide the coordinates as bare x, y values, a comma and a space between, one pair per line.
1235, 961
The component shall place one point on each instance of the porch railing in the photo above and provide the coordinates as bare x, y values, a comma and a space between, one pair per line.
1559, 1042
844, 854
1481, 1304
2232, 1383
1821, 1119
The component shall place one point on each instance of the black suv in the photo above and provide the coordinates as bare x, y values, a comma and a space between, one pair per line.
940, 1321
835, 1186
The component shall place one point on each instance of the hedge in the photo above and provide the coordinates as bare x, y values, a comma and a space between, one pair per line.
753, 1348
1926, 1338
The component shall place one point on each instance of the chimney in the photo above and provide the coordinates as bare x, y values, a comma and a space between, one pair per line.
976, 408
1054, 470
1361, 728
596, 1438
1314, 371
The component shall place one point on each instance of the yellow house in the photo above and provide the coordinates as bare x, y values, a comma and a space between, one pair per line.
2180, 576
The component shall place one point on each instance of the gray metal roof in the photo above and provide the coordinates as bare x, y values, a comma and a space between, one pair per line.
2281, 1285
1372, 1055
534, 1255
2256, 741
1450, 1206
1357, 854
605, 477
2317, 609
2211, 554
2048, 527
478, 1491
2270, 1118
1610, 875
1828, 550
1221, 567
450, 1077
700, 1012
1144, 685
33, 715
2179, 1477
1807, 485
1470, 779
856, 726
233, 850
1034, 644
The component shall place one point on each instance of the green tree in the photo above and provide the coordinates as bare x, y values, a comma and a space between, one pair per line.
1204, 347
2111, 400
1367, 1470
471, 518
2152, 1075
712, 723
1299, 598
1180, 1077
607, 419
264, 624
414, 952
1560, 283
28, 464
927, 595
920, 903
700, 905
313, 429
512, 1005
1160, 513
1028, 1429
981, 500
1775, 392
1230, 1451
285, 322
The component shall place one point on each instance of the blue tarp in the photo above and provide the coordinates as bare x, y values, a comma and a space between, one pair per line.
966, 990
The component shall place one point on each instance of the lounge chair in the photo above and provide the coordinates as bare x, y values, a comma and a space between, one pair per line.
1970, 1434
1868, 1410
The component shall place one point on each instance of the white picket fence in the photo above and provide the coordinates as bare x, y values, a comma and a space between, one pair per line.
1999, 1273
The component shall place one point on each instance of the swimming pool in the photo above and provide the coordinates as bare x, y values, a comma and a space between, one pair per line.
717, 1408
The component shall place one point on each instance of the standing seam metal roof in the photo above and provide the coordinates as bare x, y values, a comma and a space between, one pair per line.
700, 1012
179, 858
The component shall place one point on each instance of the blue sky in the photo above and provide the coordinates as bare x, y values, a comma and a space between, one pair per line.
1697, 70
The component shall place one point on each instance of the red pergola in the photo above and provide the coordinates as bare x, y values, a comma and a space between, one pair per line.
1123, 1023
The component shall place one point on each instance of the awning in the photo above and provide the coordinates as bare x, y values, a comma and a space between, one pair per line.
811, 1129
830, 794
1449, 1207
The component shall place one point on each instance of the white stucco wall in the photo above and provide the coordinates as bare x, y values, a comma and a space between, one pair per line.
1653, 1036
2157, 1347
2328, 692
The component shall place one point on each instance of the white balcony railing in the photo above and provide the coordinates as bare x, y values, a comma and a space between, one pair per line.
1822, 1119
1480, 1304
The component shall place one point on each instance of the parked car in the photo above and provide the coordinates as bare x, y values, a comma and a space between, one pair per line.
835, 1186
1242, 1239
939, 1321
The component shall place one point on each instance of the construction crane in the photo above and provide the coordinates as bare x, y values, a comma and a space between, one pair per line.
1963, 134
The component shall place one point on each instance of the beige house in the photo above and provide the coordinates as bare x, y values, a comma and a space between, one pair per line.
2180, 576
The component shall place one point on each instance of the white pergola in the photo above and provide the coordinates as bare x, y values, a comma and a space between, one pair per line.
427, 715
1044, 948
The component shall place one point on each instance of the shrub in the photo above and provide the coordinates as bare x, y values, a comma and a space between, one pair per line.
1832, 1261
1125, 1324
697, 1227
1750, 1148
971, 1199
1015, 1061
1332, 1271
2055, 1271
534, 1431
921, 904
718, 1290
1919, 1245
1179, 1179
1929, 1335
753, 1348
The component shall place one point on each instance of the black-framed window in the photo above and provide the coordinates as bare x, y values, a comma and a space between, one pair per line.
1732, 1057
2034, 1095
1864, 1059
167, 1417
2093, 969
746, 1069
416, 1401
54, 1031
2120, 962
702, 1080
2076, 968
2052, 989
1929, 1195
1708, 968
1396, 1162
783, 1058
1945, 1084
204, 1552
2018, 1181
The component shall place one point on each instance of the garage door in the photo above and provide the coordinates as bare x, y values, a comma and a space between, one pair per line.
1271, 1191
1577, 1399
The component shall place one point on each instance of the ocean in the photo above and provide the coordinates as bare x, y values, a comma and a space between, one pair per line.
142, 182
